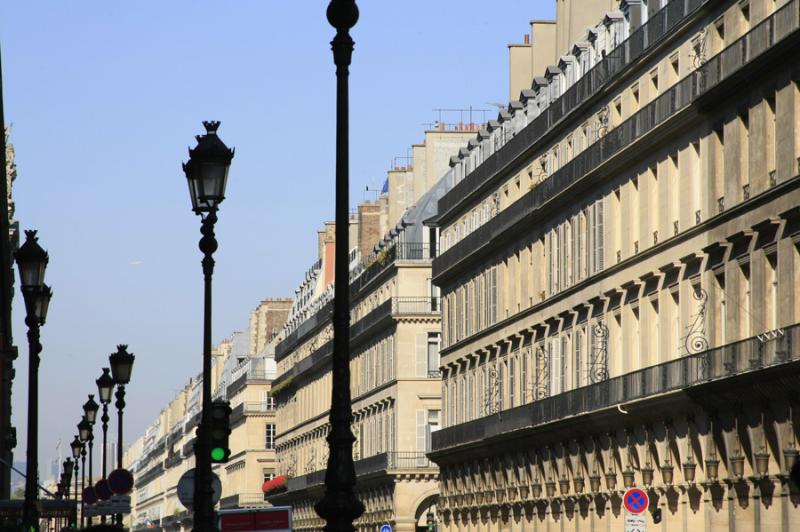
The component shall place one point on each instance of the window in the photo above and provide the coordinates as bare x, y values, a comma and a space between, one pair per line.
269, 442
511, 383
433, 355
269, 401
432, 426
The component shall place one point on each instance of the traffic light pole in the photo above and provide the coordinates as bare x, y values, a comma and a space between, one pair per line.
204, 519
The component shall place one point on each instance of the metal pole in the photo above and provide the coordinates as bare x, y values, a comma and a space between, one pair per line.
105, 420
30, 509
340, 506
77, 493
91, 447
120, 404
204, 520
83, 480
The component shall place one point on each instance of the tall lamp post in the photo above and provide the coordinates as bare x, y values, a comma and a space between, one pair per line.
85, 433
32, 262
90, 408
105, 387
121, 363
66, 481
340, 506
76, 447
207, 176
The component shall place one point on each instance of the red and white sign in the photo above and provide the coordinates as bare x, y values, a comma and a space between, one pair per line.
635, 501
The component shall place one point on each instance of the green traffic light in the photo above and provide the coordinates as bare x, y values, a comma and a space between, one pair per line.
217, 453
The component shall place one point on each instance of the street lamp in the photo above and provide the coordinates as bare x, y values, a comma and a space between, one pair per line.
340, 506
207, 176
121, 363
105, 386
77, 447
85, 433
90, 408
32, 262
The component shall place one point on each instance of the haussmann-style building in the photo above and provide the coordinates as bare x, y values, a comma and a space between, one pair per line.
619, 267
395, 335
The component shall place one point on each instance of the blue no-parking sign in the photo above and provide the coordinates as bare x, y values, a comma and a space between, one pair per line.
386, 528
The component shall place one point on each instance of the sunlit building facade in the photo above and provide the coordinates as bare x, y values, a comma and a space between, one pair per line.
619, 262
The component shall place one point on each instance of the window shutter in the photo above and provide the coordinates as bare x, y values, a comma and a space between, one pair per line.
599, 239
421, 439
555, 366
422, 354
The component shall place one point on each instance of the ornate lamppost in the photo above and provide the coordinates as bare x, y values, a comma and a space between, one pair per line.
85, 433
105, 387
207, 176
66, 481
77, 447
121, 366
90, 408
339, 507
32, 262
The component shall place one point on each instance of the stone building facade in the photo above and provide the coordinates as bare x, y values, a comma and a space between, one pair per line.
394, 339
620, 257
165, 452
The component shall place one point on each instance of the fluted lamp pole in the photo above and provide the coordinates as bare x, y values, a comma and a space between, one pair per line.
32, 262
90, 408
340, 506
105, 387
207, 177
121, 363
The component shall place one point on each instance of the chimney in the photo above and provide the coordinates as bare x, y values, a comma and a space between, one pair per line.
369, 230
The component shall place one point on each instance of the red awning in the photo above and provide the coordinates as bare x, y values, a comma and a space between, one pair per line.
275, 483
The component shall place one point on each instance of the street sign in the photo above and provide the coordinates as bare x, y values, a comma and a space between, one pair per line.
186, 489
89, 495
635, 523
635, 501
120, 481
386, 528
102, 490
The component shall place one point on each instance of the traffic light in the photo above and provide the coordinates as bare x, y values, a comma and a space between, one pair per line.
431, 521
219, 430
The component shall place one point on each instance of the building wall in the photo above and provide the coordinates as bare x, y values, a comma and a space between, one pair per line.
656, 255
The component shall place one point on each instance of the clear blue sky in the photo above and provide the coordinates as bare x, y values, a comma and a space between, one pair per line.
106, 96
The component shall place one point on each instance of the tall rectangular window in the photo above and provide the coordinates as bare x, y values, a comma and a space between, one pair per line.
269, 440
433, 354
523, 380
511, 382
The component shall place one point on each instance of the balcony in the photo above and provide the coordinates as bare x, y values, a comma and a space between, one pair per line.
380, 316
377, 263
150, 475
574, 177
317, 321
379, 463
573, 102
747, 360
172, 460
243, 500
242, 410
251, 370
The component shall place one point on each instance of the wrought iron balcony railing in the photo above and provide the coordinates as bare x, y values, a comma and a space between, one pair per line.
739, 358
366, 466
640, 42
541, 200
396, 306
